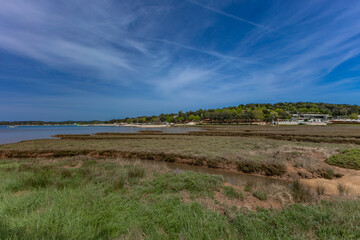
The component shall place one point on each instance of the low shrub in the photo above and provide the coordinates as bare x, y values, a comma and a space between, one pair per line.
274, 169
212, 163
343, 190
248, 167
248, 188
326, 173
199, 161
136, 172
165, 157
300, 192
349, 158
119, 182
320, 189
65, 153
269, 169
232, 193
260, 195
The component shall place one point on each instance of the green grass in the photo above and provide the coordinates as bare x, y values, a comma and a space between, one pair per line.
260, 195
194, 183
337, 220
248, 187
300, 192
117, 200
48, 202
232, 193
349, 158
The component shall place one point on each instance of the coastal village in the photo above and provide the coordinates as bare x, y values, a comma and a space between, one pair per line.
316, 119
296, 119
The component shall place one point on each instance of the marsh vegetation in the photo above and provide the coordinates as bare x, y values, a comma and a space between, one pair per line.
97, 186
82, 197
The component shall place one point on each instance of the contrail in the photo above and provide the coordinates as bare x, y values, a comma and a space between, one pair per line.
212, 53
231, 16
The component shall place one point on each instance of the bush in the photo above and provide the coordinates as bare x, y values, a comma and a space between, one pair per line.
248, 187
326, 173
136, 172
320, 189
248, 167
69, 153
260, 195
232, 193
274, 169
342, 189
349, 158
300, 192
199, 161
212, 163
269, 169
119, 182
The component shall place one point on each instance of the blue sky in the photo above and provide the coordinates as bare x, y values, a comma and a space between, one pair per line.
85, 59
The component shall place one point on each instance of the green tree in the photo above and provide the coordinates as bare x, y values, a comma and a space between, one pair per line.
180, 119
354, 116
257, 114
274, 115
169, 118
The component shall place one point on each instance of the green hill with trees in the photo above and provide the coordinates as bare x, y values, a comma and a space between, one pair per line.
264, 112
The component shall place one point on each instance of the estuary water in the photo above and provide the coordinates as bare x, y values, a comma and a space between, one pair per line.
21, 133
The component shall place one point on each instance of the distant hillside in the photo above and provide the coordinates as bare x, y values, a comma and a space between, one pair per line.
265, 112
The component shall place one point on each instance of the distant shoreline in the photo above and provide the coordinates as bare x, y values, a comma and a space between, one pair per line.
95, 125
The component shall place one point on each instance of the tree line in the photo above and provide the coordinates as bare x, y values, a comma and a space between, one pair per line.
263, 112
248, 112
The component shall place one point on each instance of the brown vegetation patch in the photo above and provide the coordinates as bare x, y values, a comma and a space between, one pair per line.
267, 169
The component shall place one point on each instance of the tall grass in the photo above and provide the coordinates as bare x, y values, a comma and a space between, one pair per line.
343, 190
232, 193
300, 192
98, 200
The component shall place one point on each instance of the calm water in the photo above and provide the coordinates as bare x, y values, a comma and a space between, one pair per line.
21, 133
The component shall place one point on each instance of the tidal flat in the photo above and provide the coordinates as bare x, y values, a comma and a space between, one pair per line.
133, 186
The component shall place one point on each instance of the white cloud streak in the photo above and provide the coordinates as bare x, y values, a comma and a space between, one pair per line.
166, 51
231, 16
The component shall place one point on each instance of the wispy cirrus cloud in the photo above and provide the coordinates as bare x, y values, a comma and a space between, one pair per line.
218, 11
181, 55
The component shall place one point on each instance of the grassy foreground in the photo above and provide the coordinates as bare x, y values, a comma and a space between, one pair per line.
78, 198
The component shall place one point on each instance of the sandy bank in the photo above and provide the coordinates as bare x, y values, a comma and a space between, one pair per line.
145, 126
